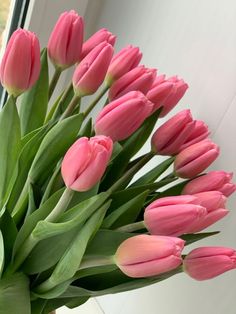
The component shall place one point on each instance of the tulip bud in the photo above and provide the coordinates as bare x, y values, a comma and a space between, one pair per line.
146, 255
90, 73
173, 216
138, 79
196, 158
208, 262
103, 35
66, 39
166, 93
20, 65
178, 133
85, 162
212, 181
124, 61
123, 116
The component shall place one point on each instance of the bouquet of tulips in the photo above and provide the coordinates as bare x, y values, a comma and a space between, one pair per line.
75, 221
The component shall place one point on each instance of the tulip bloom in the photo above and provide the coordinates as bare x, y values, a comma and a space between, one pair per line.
195, 159
212, 181
90, 73
166, 93
66, 39
103, 35
124, 61
178, 133
123, 116
85, 162
173, 216
208, 262
138, 79
20, 66
145, 255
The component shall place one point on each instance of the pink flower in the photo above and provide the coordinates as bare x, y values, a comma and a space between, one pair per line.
85, 162
146, 255
66, 39
196, 158
90, 73
123, 116
20, 66
103, 35
212, 181
208, 262
138, 79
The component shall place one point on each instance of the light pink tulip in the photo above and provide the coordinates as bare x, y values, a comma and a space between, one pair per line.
166, 93
208, 262
123, 116
178, 133
20, 65
195, 159
138, 79
66, 39
146, 255
90, 73
85, 162
103, 35
212, 181
122, 62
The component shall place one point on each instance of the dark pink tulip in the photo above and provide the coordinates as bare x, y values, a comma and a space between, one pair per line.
196, 158
103, 35
122, 62
212, 181
20, 65
90, 73
147, 255
138, 79
208, 262
85, 162
123, 116
66, 39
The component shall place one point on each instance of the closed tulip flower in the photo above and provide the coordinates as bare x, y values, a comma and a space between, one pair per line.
178, 133
123, 116
208, 262
85, 162
66, 39
122, 62
20, 65
103, 35
212, 181
90, 73
196, 158
146, 255
138, 79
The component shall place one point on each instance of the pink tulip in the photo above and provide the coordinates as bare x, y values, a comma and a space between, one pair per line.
90, 73
208, 262
124, 61
85, 162
146, 255
195, 158
123, 116
173, 216
166, 93
212, 181
138, 79
66, 39
20, 65
103, 35
178, 133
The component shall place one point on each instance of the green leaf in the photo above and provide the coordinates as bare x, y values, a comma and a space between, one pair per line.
174, 190
33, 107
9, 145
87, 129
191, 238
2, 255
56, 303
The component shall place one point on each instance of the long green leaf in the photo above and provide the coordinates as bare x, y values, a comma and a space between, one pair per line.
2, 254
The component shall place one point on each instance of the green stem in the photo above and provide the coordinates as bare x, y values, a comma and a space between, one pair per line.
53, 83
95, 262
132, 227
69, 110
96, 100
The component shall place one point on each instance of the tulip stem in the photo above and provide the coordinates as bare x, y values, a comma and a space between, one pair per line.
96, 100
132, 227
69, 110
95, 262
53, 83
